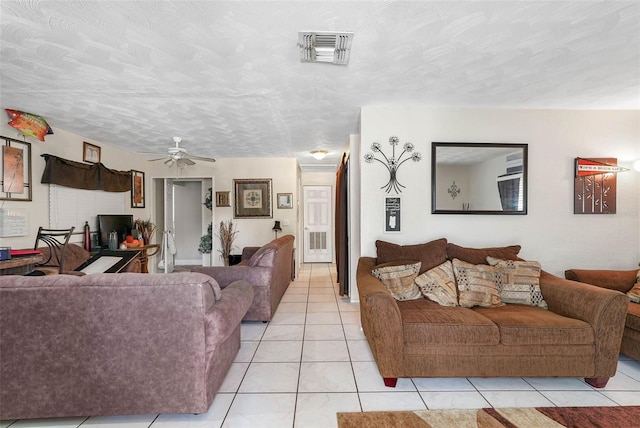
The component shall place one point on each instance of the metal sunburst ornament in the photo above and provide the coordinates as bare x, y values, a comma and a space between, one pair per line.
392, 163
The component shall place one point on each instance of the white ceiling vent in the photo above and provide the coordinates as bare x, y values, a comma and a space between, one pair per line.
324, 46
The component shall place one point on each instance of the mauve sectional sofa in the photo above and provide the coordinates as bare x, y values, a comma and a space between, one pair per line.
115, 344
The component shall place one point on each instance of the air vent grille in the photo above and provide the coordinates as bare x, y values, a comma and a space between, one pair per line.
329, 47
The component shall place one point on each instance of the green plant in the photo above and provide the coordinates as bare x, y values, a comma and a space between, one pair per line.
206, 241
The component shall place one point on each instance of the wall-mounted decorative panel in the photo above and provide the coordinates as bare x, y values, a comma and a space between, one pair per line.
595, 186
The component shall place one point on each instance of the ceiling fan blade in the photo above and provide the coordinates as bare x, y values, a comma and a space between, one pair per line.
187, 161
200, 158
153, 160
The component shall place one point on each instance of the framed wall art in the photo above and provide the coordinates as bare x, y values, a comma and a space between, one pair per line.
90, 153
252, 198
137, 189
222, 199
392, 214
285, 200
15, 170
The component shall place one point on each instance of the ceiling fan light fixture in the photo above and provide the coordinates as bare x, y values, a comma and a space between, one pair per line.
325, 46
319, 154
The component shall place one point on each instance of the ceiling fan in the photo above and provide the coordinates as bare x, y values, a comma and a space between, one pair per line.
179, 156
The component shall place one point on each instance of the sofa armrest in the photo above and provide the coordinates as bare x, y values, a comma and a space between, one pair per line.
605, 310
621, 280
255, 275
247, 252
225, 315
381, 320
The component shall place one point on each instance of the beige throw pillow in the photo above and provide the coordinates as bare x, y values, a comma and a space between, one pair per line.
476, 285
399, 279
518, 281
439, 285
634, 293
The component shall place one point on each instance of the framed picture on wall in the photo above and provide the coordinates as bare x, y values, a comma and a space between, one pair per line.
252, 198
285, 200
222, 199
90, 153
392, 214
137, 189
15, 170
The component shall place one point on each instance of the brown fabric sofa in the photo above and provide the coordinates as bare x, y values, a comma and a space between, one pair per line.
114, 344
578, 336
268, 270
623, 281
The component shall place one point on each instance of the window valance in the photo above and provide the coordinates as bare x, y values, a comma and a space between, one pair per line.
78, 175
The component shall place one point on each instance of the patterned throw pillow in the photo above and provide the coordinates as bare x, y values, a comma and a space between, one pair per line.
439, 285
518, 282
476, 285
399, 279
634, 293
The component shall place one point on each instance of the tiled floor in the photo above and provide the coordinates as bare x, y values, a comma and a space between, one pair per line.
312, 361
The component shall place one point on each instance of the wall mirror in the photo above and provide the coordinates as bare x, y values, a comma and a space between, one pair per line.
478, 178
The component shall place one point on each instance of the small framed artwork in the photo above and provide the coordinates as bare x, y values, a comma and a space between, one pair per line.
392, 213
252, 198
90, 153
137, 189
285, 200
222, 199
15, 170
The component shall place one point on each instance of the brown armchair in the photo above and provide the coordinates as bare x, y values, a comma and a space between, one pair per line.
623, 281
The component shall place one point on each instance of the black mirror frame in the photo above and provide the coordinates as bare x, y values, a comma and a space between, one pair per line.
525, 163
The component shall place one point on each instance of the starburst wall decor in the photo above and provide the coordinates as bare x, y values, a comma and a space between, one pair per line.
392, 163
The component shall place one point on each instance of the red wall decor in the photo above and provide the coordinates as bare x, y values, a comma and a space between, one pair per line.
595, 185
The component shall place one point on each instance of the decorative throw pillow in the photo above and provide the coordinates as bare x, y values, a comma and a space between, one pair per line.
430, 254
476, 285
439, 285
518, 282
478, 256
398, 278
634, 293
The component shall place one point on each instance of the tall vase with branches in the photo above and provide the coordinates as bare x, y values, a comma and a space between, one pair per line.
226, 235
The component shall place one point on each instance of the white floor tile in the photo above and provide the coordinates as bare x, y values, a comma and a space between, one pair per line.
296, 290
323, 332
247, 349
129, 421
325, 350
321, 290
354, 332
621, 382
271, 377
369, 380
577, 398
326, 377
518, 398
623, 398
261, 410
350, 317
630, 367
318, 410
454, 400
234, 377
288, 318
292, 307
321, 298
284, 332
212, 419
359, 350
558, 384
322, 307
345, 306
252, 330
278, 351
500, 384
294, 298
391, 401
443, 384
51, 423
324, 318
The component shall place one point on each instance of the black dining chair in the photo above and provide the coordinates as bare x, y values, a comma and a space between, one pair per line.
56, 241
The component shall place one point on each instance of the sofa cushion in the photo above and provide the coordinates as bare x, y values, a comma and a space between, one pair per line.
428, 323
479, 256
633, 317
476, 285
439, 284
530, 325
430, 254
634, 293
398, 277
518, 281
263, 257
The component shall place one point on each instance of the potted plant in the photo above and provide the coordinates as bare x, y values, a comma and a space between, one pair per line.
226, 236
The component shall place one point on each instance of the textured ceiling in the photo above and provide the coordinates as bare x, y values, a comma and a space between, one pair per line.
227, 78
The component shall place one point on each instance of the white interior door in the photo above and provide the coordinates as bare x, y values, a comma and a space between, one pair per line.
318, 241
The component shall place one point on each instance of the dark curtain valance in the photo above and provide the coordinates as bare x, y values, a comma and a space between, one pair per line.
83, 176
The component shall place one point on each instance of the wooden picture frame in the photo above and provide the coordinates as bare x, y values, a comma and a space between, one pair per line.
222, 199
252, 198
137, 189
15, 170
91, 153
285, 200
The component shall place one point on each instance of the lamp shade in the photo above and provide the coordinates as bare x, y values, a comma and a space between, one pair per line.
277, 226
319, 154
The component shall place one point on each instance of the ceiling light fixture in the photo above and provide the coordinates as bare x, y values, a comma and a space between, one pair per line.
319, 154
324, 46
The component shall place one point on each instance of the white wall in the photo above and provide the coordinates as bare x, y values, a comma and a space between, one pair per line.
550, 233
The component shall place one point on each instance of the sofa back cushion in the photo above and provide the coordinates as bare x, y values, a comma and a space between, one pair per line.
430, 255
478, 256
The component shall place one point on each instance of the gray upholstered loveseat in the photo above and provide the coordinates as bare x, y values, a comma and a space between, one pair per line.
267, 268
110, 344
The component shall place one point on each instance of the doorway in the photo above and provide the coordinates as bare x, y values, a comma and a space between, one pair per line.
318, 242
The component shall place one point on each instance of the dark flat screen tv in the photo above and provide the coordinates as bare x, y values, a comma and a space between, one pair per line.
121, 223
